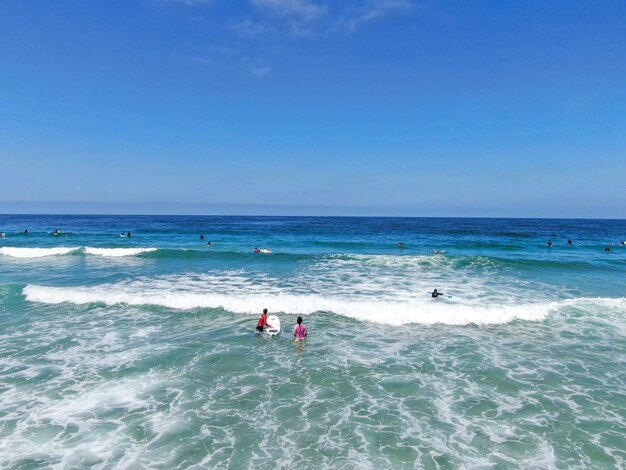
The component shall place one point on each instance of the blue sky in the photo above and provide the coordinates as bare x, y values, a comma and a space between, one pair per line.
385, 107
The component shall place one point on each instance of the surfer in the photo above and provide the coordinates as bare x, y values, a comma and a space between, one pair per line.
436, 294
569, 242
400, 244
622, 243
262, 321
25, 231
256, 250
549, 243
437, 252
299, 331
129, 234
208, 243
201, 237
607, 249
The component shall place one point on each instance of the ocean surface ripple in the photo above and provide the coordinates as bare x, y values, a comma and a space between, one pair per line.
140, 352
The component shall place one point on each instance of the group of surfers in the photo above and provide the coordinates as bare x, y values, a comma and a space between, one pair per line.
299, 331
569, 243
265, 250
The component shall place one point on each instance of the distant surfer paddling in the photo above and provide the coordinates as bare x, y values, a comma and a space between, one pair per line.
435, 294
263, 321
299, 331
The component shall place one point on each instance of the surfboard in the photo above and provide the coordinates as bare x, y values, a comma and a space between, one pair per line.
265, 250
275, 322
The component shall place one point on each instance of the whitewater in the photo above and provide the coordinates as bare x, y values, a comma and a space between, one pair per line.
141, 352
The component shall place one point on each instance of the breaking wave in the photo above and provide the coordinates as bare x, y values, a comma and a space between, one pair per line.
117, 252
15, 252
385, 311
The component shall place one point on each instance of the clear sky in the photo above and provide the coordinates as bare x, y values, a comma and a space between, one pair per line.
387, 107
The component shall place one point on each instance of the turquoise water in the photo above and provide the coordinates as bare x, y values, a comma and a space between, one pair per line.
141, 352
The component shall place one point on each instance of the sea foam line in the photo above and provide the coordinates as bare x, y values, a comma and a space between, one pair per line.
21, 252
16, 252
117, 252
384, 311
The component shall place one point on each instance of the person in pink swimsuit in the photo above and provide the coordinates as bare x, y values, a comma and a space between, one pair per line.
299, 331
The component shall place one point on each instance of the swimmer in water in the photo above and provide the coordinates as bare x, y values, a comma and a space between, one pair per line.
299, 331
400, 244
569, 242
201, 237
435, 294
607, 249
549, 243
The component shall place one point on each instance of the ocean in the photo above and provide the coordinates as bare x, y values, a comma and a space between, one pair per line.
141, 352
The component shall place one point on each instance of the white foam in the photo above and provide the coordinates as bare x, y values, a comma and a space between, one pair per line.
388, 290
390, 312
36, 252
117, 252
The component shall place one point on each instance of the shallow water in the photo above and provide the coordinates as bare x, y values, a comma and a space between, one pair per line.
141, 352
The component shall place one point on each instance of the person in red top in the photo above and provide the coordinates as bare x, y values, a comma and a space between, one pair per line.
263, 321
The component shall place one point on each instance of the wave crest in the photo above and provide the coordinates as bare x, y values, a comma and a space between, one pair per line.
384, 312
15, 252
117, 252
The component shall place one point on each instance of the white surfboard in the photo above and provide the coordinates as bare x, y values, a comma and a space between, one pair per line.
275, 328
